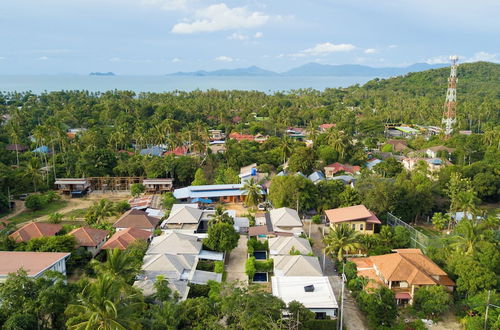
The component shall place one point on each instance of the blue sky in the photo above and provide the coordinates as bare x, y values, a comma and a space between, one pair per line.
164, 36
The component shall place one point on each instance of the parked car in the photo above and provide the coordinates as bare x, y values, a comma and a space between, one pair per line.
264, 206
23, 196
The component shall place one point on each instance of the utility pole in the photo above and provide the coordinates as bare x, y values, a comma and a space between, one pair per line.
451, 99
342, 298
487, 308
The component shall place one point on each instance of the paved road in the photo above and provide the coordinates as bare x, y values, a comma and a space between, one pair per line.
235, 265
353, 319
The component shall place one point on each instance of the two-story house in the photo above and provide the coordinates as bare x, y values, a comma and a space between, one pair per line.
358, 217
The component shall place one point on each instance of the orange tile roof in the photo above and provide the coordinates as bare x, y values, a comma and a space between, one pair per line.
337, 167
136, 219
35, 230
32, 262
409, 265
86, 236
351, 213
123, 238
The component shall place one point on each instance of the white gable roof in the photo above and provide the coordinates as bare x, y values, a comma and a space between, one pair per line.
184, 213
175, 243
297, 265
285, 217
283, 244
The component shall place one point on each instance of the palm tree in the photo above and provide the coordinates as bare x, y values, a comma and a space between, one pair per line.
119, 265
33, 171
102, 305
220, 216
469, 233
253, 191
100, 211
340, 240
337, 140
286, 147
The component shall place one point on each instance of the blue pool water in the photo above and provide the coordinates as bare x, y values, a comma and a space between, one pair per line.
260, 255
260, 277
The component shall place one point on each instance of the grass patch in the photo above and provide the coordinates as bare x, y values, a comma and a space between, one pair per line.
31, 215
428, 231
78, 213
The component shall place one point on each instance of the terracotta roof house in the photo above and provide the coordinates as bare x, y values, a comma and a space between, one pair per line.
123, 238
240, 137
331, 169
90, 238
136, 219
282, 245
297, 265
34, 263
326, 127
358, 217
404, 272
284, 220
178, 151
35, 230
16, 147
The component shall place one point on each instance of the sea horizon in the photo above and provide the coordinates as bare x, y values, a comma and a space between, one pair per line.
162, 83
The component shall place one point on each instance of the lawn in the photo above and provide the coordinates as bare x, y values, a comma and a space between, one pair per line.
429, 231
78, 213
31, 215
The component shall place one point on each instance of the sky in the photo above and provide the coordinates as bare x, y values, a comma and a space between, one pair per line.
155, 37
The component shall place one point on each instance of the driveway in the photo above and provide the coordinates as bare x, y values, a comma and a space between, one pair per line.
235, 263
353, 319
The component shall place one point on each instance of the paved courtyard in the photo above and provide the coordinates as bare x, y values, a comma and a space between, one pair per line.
235, 265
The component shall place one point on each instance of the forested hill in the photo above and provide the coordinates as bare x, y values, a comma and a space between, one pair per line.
419, 97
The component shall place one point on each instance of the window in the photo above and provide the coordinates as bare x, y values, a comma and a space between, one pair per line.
369, 226
354, 226
360, 226
320, 315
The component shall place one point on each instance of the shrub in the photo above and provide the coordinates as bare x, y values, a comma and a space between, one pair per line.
254, 244
167, 200
122, 206
432, 301
386, 148
35, 202
264, 266
136, 189
250, 267
222, 237
294, 251
219, 267
55, 217
350, 270
206, 265
198, 290
316, 219
321, 324
51, 196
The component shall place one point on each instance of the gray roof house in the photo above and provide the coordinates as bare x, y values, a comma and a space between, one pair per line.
175, 243
316, 177
297, 265
285, 220
282, 245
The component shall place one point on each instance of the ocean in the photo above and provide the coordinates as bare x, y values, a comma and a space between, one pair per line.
47, 83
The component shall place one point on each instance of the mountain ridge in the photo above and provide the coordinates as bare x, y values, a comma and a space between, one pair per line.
316, 69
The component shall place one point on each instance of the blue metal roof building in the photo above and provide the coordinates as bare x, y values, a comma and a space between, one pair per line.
222, 192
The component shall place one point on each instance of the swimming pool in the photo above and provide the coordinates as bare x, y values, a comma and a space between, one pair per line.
260, 277
260, 255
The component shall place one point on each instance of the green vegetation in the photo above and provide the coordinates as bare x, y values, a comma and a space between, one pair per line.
28, 215
222, 237
136, 189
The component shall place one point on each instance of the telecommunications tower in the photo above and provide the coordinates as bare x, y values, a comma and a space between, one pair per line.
451, 98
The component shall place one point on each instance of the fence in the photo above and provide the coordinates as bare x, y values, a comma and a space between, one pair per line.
418, 240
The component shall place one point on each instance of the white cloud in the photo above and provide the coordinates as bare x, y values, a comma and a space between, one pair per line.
237, 36
220, 17
258, 35
176, 60
483, 56
224, 59
170, 5
324, 49
370, 51
42, 58
393, 46
438, 60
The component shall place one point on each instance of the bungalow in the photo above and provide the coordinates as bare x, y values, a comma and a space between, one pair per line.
227, 193
136, 219
325, 127
282, 245
433, 164
123, 238
90, 239
187, 218
16, 147
35, 230
216, 134
398, 145
250, 172
403, 272
154, 186
436, 151
358, 217
331, 169
284, 220
73, 186
316, 177
260, 138
34, 263
314, 292
346, 179
296, 132
370, 164
152, 151
297, 265
240, 137
178, 151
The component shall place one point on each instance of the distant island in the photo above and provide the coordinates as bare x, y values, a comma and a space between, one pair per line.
101, 74
316, 69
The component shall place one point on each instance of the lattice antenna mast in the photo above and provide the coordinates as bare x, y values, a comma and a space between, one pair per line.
451, 99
